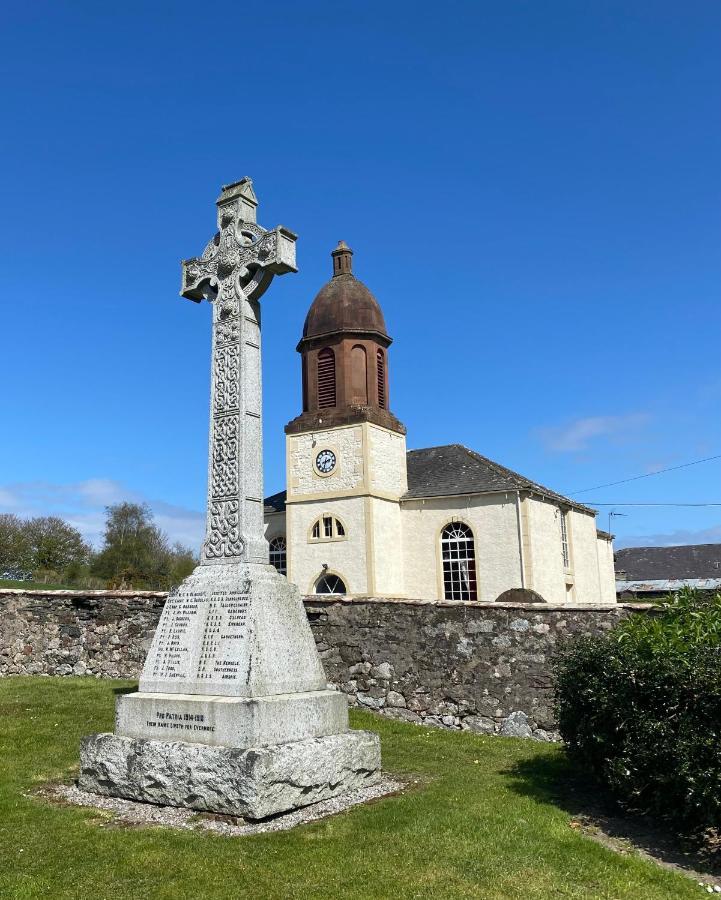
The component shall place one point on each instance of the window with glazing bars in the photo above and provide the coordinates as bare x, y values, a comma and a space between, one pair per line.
564, 540
326, 378
327, 528
459, 562
278, 555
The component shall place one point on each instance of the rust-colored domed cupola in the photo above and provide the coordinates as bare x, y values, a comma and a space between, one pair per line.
344, 352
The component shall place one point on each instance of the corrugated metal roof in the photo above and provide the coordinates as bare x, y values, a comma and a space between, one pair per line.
668, 585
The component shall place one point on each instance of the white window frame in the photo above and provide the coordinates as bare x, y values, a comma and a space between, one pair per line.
565, 545
458, 561
333, 580
326, 528
280, 553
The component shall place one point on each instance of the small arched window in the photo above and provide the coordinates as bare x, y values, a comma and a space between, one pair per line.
381, 373
278, 555
330, 584
459, 562
326, 378
327, 528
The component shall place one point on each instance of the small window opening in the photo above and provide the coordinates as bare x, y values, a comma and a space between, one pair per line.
327, 528
564, 540
330, 584
278, 555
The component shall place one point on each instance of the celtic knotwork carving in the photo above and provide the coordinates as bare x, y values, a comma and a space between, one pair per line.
223, 538
226, 380
224, 468
233, 272
227, 330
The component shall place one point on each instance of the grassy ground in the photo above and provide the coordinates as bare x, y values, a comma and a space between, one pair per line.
480, 823
34, 585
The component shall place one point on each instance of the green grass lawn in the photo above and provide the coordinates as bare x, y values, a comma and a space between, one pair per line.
33, 586
481, 822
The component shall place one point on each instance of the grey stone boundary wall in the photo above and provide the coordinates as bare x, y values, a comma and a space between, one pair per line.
483, 667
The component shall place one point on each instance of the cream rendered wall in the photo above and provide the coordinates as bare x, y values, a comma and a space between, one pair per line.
547, 573
606, 570
584, 556
385, 547
274, 525
346, 558
362, 491
494, 522
587, 579
386, 454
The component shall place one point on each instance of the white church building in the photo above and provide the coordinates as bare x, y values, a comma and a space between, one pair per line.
365, 517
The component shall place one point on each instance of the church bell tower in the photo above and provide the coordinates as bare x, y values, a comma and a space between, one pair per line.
346, 452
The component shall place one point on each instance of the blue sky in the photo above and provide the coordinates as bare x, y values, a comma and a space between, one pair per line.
532, 191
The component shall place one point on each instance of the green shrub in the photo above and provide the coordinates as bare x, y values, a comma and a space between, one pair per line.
640, 708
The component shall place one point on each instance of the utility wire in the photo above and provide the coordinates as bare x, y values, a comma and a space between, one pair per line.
647, 475
656, 504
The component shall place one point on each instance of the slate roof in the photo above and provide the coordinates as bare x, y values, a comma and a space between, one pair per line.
274, 503
452, 470
664, 563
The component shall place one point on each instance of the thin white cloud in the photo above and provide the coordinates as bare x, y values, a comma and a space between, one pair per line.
83, 503
577, 435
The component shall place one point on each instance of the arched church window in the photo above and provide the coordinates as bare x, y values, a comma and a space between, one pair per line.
330, 584
326, 378
278, 555
459, 562
359, 375
327, 528
381, 372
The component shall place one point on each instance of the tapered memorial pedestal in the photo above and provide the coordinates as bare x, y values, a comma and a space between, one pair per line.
233, 714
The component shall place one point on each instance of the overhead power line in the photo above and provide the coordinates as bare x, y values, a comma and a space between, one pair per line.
656, 504
598, 487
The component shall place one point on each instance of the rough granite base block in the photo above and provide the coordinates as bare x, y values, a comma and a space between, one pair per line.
254, 783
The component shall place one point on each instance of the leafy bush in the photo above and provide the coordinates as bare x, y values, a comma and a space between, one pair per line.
640, 708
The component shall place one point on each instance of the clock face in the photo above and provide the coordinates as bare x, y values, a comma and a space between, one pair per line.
325, 461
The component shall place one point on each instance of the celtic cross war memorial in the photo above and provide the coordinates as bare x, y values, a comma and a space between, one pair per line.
233, 713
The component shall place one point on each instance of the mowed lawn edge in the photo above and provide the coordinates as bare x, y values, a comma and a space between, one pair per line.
476, 821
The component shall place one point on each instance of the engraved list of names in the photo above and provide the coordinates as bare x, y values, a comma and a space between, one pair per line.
201, 638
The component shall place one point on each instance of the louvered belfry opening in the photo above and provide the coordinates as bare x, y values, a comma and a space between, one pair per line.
326, 378
381, 366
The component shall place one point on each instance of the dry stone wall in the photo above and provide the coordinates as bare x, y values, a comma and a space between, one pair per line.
478, 666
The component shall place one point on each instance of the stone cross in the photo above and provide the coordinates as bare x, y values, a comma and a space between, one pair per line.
234, 271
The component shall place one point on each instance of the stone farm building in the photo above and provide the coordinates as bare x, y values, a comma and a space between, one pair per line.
363, 516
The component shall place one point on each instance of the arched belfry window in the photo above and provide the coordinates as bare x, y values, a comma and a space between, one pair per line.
459, 562
328, 583
381, 372
278, 555
359, 375
326, 378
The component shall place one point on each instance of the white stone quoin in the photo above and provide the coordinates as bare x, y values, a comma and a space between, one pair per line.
233, 666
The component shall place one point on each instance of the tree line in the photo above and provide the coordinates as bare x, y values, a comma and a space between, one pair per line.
135, 552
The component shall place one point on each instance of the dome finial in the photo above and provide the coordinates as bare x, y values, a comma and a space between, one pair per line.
342, 264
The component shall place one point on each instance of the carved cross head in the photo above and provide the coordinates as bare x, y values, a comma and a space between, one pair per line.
242, 257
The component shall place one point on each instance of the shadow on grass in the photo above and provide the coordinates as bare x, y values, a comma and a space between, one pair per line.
119, 691
558, 781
